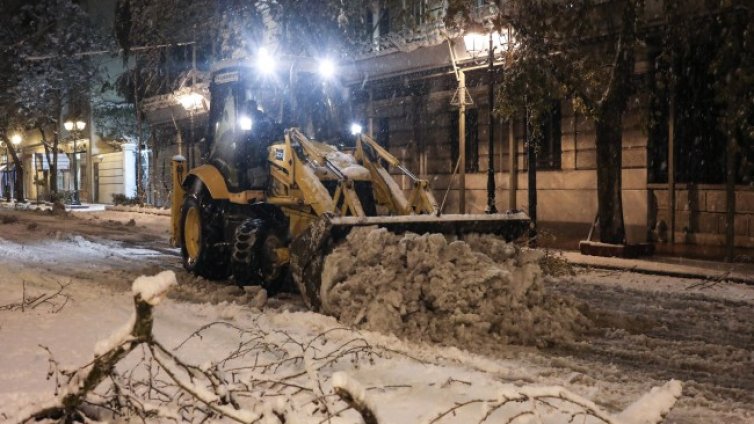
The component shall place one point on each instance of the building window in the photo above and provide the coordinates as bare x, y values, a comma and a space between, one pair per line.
383, 132
384, 23
419, 12
472, 140
378, 25
699, 144
550, 142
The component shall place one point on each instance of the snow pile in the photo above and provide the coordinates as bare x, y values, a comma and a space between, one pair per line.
153, 289
652, 407
476, 294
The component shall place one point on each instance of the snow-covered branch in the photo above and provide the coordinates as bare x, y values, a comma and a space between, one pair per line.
81, 382
275, 376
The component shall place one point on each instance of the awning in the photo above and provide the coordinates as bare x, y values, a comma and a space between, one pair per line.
166, 108
40, 162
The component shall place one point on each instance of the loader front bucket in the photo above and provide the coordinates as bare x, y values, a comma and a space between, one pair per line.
309, 249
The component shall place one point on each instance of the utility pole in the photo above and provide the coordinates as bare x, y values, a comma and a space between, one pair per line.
513, 166
671, 169
491, 131
462, 139
730, 199
532, 186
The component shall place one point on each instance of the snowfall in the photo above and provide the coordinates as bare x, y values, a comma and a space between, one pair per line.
596, 345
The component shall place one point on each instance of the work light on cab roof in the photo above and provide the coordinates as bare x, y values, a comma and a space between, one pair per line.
327, 68
356, 129
265, 63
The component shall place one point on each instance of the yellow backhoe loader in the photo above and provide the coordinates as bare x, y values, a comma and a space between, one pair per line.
271, 202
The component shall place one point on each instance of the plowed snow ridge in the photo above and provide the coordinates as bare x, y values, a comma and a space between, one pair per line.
477, 294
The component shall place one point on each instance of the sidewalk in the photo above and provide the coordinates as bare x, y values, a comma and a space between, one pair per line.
30, 206
140, 209
671, 266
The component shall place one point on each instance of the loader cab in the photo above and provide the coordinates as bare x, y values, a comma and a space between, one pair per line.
245, 118
251, 109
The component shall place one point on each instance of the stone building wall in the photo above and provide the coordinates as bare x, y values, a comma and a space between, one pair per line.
420, 135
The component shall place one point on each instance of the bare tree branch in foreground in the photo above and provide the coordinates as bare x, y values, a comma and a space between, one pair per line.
272, 377
51, 300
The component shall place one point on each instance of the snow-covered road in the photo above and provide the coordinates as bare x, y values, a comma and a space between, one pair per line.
651, 329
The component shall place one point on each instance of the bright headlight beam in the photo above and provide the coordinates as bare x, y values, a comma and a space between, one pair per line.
326, 68
265, 62
356, 129
244, 123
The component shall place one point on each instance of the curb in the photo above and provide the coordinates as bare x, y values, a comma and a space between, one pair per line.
139, 209
654, 268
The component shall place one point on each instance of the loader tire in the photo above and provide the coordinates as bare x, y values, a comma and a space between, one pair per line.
244, 261
201, 244
253, 260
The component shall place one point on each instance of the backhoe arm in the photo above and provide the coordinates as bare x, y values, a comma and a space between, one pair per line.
420, 200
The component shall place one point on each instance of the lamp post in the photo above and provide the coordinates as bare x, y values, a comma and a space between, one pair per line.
191, 102
75, 128
477, 39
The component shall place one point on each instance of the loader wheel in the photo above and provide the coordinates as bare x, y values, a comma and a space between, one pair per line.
254, 259
201, 236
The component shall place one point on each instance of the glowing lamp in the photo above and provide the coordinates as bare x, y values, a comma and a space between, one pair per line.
244, 123
326, 68
356, 129
191, 101
265, 62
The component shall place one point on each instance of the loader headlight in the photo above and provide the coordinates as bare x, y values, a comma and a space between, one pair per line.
326, 68
356, 129
244, 123
265, 62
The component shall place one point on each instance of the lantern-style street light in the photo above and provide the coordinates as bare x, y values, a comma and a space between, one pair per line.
477, 39
192, 102
75, 128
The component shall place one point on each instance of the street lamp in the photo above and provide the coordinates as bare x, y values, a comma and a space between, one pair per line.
474, 40
75, 128
191, 102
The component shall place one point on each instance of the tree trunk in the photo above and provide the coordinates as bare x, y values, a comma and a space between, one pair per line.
51, 154
19, 172
609, 128
609, 183
54, 171
730, 200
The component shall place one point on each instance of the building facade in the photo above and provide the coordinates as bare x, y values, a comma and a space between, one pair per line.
406, 93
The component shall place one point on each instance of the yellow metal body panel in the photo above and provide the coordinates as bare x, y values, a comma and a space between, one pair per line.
213, 180
215, 183
193, 231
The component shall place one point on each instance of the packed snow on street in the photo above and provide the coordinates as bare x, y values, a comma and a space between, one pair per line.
416, 328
